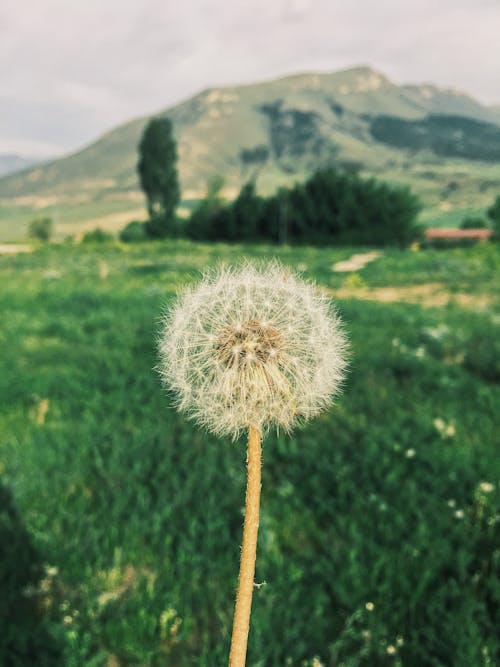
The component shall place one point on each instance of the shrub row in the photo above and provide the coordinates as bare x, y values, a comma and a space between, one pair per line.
331, 206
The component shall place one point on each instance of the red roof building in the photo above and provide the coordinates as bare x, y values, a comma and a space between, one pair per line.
436, 234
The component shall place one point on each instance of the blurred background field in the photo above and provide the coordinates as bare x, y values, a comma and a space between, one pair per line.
440, 141
120, 523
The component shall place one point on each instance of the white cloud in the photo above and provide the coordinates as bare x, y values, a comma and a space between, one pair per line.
70, 70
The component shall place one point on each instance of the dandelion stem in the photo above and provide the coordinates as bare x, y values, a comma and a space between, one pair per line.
241, 623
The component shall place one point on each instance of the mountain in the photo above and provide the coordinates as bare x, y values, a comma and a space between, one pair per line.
10, 163
278, 132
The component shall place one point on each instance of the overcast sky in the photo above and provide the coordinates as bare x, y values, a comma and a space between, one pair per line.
69, 70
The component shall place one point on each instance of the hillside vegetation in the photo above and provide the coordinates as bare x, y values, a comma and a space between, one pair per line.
277, 133
445, 136
380, 520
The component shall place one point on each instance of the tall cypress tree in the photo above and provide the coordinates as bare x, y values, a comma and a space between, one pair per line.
157, 169
493, 214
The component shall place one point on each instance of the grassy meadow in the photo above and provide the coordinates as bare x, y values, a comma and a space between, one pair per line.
120, 522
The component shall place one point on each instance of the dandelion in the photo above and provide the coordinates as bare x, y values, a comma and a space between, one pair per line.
444, 429
410, 453
439, 424
459, 514
486, 487
250, 349
450, 431
369, 606
391, 650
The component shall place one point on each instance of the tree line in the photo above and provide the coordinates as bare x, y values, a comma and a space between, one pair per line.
331, 206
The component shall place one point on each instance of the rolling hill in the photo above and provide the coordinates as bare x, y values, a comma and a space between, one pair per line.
277, 132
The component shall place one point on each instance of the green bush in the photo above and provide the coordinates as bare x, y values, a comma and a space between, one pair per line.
331, 207
97, 235
474, 222
41, 229
134, 232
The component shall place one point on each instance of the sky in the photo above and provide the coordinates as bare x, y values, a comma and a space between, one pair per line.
71, 70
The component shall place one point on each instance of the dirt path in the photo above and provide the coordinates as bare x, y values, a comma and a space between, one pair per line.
427, 294
14, 248
356, 262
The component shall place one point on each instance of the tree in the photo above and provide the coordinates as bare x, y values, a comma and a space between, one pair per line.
246, 213
40, 228
204, 213
332, 206
494, 215
157, 169
473, 222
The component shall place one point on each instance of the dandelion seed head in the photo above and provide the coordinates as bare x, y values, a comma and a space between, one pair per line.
252, 346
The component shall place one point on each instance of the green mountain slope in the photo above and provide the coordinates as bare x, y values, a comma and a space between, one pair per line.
276, 132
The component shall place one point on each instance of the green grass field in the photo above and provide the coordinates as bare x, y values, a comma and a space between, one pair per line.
120, 523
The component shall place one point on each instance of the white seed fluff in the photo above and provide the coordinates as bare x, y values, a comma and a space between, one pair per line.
252, 346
